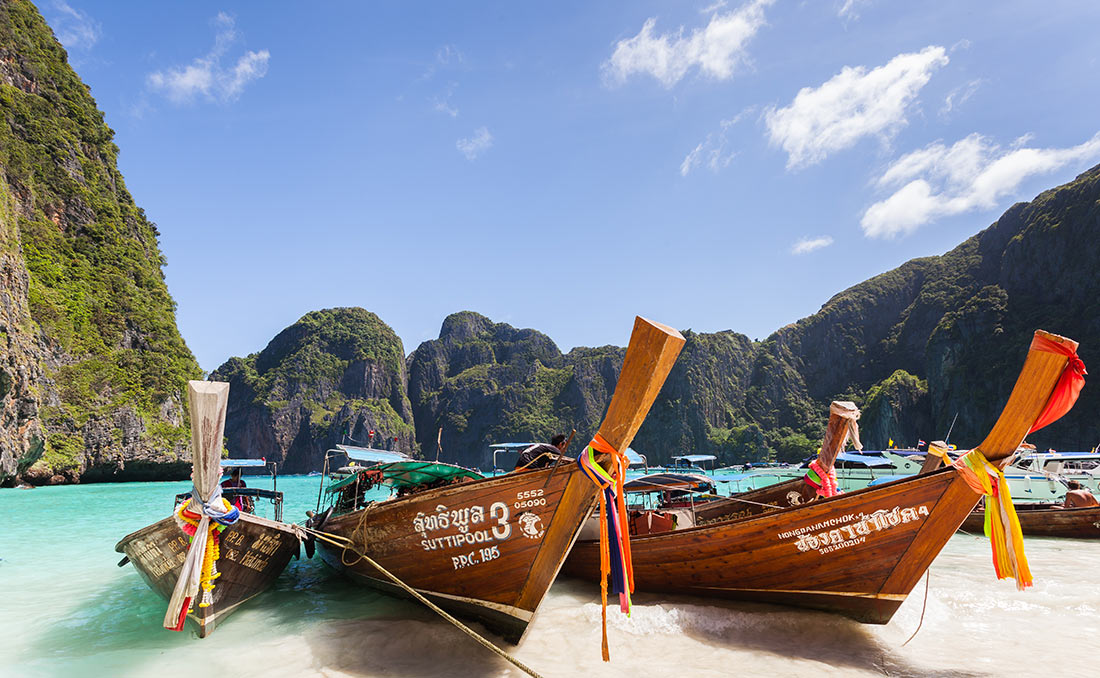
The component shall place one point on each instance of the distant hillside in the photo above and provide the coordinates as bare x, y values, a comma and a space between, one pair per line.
335, 374
914, 347
484, 382
93, 367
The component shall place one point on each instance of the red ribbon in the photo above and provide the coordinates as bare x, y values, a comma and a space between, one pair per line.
1069, 384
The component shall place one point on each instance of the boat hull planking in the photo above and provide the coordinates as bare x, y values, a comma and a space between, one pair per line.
254, 552
1075, 523
486, 550
857, 554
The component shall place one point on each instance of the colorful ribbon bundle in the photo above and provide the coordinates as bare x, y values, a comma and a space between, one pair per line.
1001, 524
614, 532
189, 523
824, 483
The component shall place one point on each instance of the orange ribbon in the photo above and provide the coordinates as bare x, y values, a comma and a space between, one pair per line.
1069, 384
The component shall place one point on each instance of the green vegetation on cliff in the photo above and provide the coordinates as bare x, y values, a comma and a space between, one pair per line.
96, 291
335, 374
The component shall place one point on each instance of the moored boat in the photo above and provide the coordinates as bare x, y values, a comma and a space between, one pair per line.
486, 548
250, 551
1046, 520
860, 553
1084, 467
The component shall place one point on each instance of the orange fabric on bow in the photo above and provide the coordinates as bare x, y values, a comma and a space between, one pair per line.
1068, 387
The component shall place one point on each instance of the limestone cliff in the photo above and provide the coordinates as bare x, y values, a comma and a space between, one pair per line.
485, 382
93, 367
936, 338
333, 376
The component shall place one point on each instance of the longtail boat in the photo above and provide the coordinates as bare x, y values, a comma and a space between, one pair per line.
1045, 520
489, 548
248, 552
858, 554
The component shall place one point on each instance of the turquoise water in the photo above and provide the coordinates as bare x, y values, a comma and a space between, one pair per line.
67, 610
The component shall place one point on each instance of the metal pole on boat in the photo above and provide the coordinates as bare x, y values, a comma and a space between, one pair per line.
947, 438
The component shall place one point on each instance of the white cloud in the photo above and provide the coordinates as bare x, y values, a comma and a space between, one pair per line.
74, 29
807, 245
958, 96
973, 174
713, 151
716, 50
443, 104
850, 8
206, 76
851, 105
447, 57
480, 142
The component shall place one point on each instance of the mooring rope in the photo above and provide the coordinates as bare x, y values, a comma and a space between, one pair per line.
924, 606
347, 545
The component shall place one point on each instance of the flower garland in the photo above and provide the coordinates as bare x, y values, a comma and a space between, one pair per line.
189, 523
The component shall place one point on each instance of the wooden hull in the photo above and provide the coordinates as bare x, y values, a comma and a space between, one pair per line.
254, 552
486, 550
1075, 523
857, 554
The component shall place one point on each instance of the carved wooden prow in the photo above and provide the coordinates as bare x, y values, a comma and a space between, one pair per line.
935, 457
207, 401
649, 358
843, 416
1033, 389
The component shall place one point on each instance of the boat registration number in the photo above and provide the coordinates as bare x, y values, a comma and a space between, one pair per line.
475, 557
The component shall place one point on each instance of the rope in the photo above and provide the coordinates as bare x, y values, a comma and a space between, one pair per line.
924, 606
347, 545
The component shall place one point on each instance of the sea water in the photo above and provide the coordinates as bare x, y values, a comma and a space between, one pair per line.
66, 609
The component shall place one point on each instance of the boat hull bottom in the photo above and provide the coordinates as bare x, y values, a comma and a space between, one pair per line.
862, 607
509, 625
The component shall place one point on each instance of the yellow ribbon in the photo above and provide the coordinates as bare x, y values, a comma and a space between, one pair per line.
1002, 526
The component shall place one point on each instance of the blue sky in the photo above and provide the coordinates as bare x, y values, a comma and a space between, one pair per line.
567, 165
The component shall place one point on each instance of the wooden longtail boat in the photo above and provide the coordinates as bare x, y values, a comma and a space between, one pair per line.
254, 550
1043, 520
489, 549
858, 554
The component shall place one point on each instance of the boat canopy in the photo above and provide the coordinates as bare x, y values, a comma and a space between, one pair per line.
369, 454
865, 459
662, 482
695, 458
729, 477
344, 482
631, 454
243, 463
411, 472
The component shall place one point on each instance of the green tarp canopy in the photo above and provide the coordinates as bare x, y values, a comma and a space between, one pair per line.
408, 473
